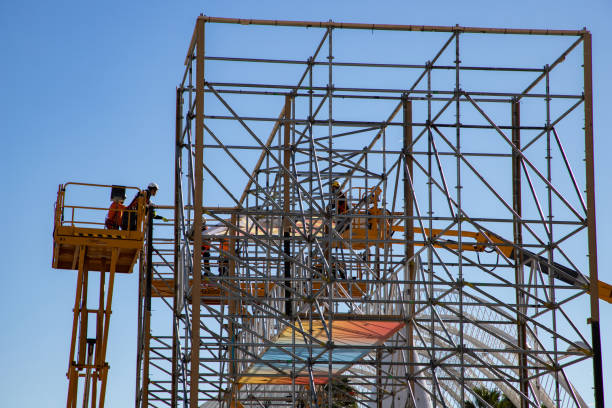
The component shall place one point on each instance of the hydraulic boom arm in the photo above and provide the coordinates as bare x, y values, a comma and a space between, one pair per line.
488, 239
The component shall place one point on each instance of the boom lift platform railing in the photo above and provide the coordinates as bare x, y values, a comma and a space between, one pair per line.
81, 242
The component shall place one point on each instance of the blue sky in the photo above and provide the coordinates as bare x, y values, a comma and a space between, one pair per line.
87, 94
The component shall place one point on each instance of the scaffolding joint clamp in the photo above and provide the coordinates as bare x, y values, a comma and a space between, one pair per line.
461, 348
551, 305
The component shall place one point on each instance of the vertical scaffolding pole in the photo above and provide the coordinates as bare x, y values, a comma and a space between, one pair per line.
590, 185
330, 286
379, 384
197, 219
287, 204
235, 308
177, 246
147, 312
410, 270
518, 256
139, 342
460, 214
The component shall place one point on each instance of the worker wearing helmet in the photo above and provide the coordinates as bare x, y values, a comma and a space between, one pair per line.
130, 217
339, 202
339, 206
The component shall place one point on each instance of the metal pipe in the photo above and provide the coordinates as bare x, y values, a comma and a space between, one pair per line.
592, 234
392, 27
197, 221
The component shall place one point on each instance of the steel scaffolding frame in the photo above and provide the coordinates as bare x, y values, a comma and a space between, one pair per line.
457, 264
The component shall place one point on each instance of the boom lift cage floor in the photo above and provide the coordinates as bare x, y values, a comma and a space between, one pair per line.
466, 257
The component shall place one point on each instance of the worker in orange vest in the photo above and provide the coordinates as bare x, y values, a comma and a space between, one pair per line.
223, 257
115, 213
205, 246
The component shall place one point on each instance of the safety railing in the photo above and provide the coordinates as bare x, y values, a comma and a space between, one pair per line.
81, 214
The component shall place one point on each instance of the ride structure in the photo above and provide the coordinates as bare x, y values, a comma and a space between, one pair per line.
459, 261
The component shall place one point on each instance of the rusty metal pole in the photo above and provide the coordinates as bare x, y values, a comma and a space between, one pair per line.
592, 234
410, 271
518, 255
197, 220
177, 247
389, 27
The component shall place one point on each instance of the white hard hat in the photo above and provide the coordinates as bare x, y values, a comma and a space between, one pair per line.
153, 186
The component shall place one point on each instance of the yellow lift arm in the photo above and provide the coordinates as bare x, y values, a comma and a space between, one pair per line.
376, 230
489, 239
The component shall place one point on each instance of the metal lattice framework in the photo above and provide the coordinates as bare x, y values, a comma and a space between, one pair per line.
459, 261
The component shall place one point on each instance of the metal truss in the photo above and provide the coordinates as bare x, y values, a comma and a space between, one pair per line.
459, 261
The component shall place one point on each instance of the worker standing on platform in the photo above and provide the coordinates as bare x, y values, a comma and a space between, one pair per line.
337, 206
115, 213
223, 257
130, 217
205, 246
339, 203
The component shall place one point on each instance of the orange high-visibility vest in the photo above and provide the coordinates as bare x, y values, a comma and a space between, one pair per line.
113, 218
224, 245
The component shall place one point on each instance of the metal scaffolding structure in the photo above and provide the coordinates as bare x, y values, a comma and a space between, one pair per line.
450, 257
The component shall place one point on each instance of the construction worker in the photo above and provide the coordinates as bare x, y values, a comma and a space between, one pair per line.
115, 213
223, 257
339, 203
130, 217
337, 206
205, 246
